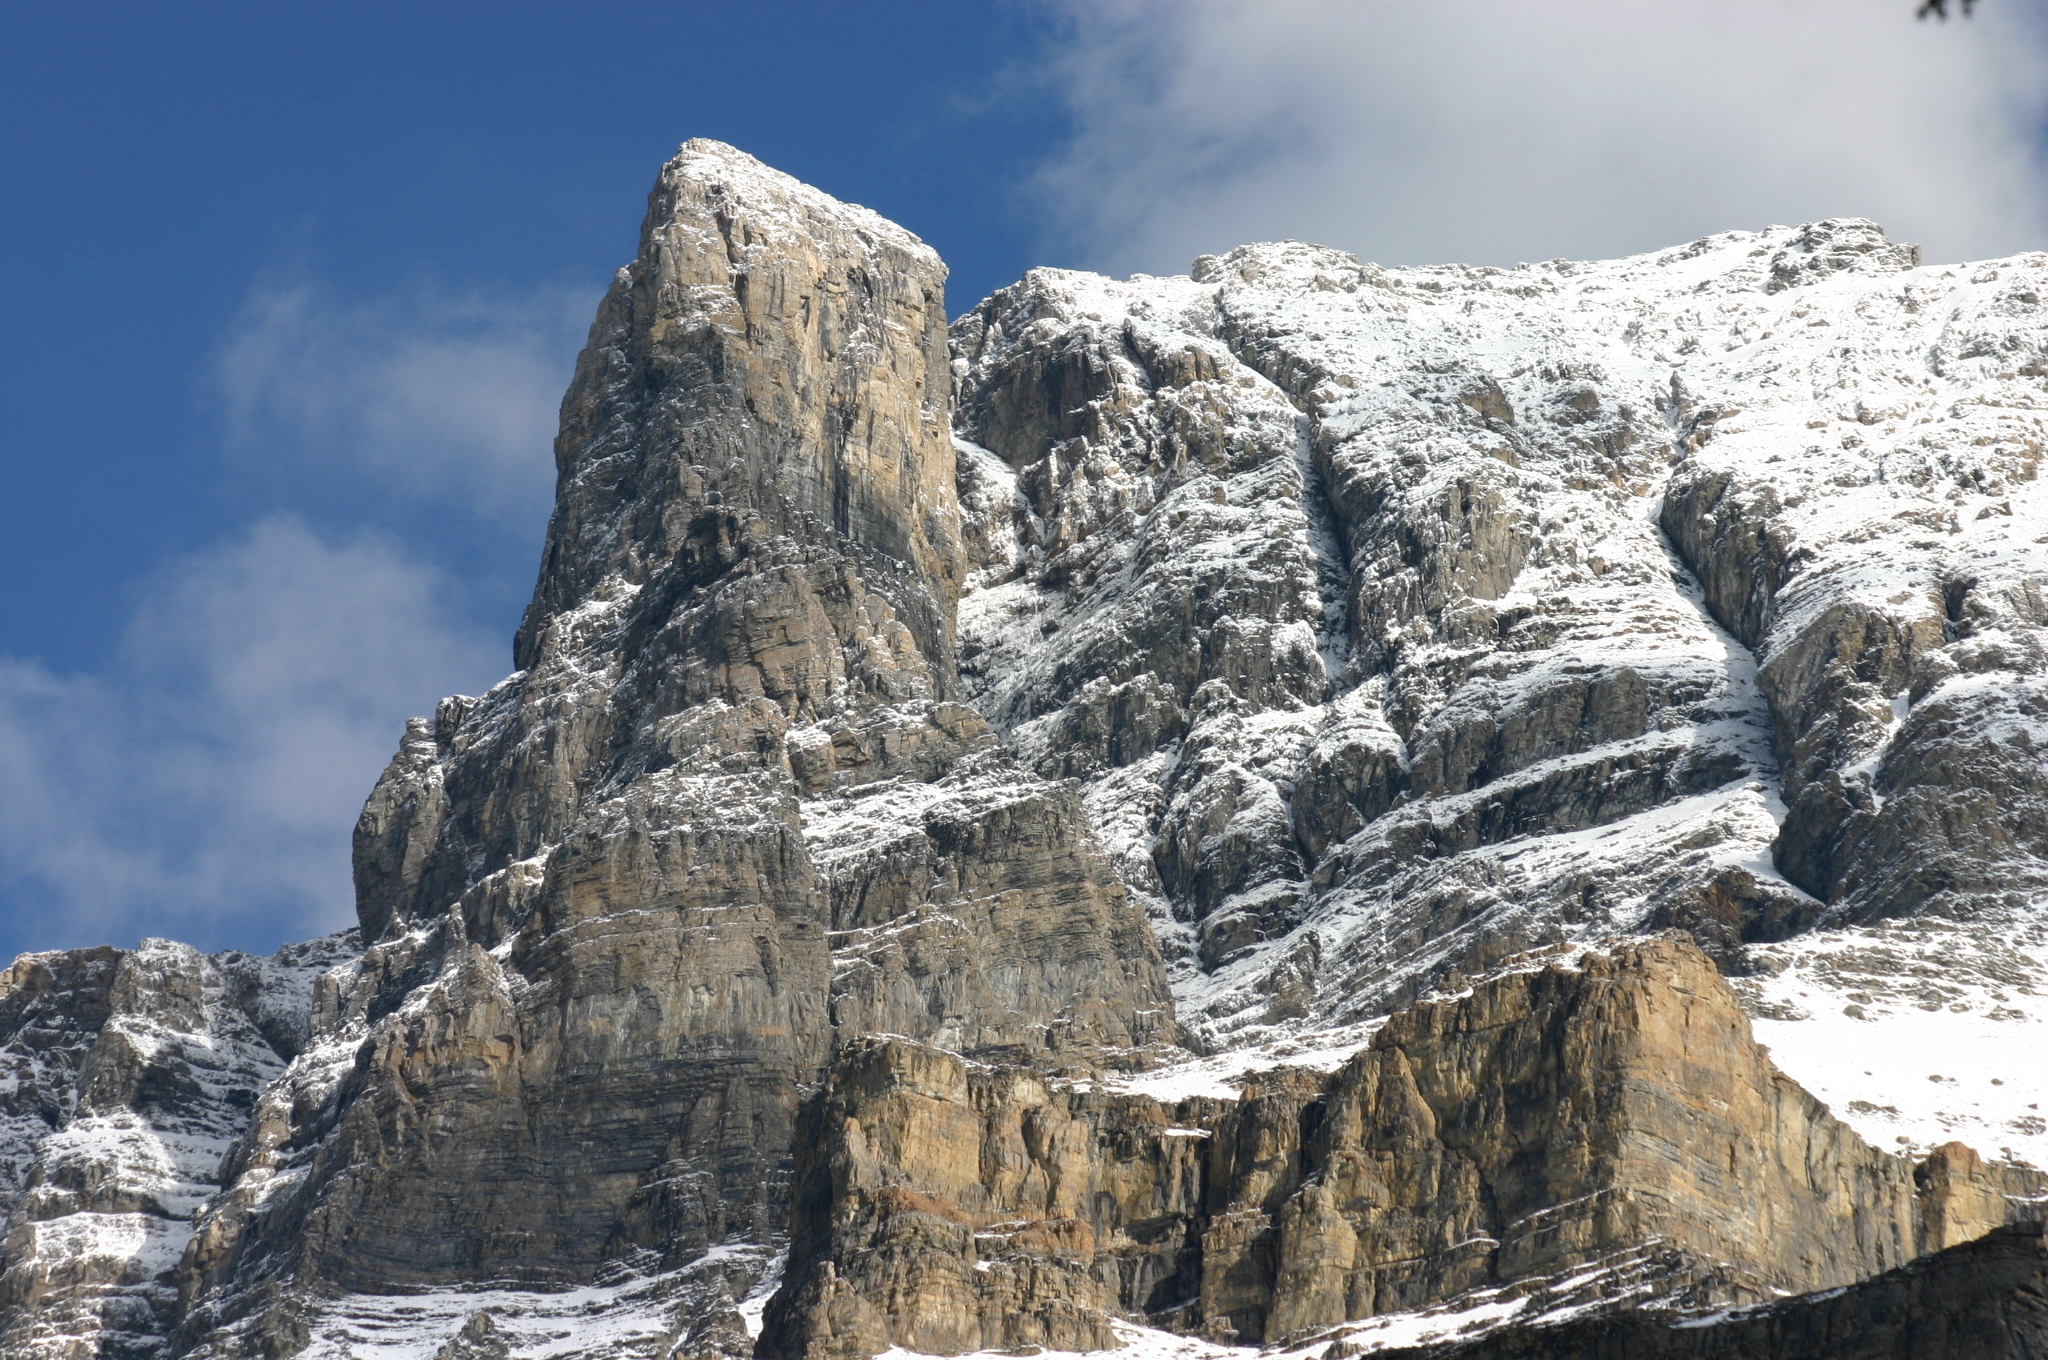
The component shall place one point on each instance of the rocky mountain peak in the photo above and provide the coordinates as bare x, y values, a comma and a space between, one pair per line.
772, 365
1302, 804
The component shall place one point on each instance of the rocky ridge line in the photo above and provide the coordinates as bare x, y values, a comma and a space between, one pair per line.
1360, 627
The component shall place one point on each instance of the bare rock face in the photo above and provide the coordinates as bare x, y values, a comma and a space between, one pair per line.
949, 1207
775, 353
1559, 1116
618, 908
1606, 1108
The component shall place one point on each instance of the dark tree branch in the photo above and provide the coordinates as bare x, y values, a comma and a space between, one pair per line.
1939, 8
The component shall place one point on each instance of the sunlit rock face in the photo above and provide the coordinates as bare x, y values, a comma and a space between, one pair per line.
1594, 1122
619, 908
1300, 804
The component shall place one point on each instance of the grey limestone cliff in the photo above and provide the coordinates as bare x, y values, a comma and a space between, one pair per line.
618, 908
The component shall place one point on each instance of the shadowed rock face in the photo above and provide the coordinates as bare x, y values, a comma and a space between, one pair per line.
618, 907
1591, 1111
127, 1075
1987, 1300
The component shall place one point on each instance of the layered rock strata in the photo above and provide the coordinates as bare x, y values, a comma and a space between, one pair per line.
888, 698
1579, 1111
618, 908
1400, 618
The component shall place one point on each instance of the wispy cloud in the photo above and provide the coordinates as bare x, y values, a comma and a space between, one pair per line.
427, 393
1498, 130
205, 786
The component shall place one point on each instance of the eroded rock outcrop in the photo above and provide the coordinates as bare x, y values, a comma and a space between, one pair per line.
1581, 1111
1327, 613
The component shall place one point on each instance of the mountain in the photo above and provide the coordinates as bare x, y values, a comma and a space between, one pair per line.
1302, 804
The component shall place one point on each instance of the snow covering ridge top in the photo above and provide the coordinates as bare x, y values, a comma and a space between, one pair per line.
1486, 502
721, 165
1769, 260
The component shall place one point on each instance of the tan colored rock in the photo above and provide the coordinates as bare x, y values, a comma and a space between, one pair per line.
1960, 1198
949, 1207
772, 351
1557, 1115
1560, 1116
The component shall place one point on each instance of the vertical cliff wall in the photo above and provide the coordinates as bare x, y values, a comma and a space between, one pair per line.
619, 908
1598, 1117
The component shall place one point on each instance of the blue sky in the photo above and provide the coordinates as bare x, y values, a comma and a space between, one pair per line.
289, 294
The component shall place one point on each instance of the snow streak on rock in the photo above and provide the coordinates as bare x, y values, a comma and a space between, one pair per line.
129, 1075
1620, 538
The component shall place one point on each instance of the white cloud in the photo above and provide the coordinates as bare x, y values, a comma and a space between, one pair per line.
206, 784
1494, 131
432, 395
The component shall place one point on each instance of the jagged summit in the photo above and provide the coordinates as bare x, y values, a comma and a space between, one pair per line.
773, 363
708, 162
1181, 803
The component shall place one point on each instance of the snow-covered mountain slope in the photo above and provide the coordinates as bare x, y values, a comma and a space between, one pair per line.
746, 973
1917, 1031
1400, 619
129, 1074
